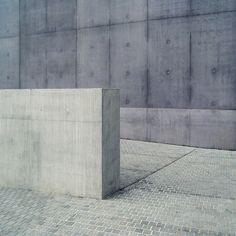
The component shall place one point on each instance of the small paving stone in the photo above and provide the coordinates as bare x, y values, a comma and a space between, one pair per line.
167, 190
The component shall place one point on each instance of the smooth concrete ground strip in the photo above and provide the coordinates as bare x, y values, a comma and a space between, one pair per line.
193, 196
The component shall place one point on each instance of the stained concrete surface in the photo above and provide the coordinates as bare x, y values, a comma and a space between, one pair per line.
162, 54
60, 141
193, 195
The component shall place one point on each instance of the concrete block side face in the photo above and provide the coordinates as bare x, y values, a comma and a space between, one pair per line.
123, 11
33, 61
170, 126
213, 129
110, 141
213, 62
92, 13
133, 123
61, 60
93, 57
128, 68
169, 56
9, 18
61, 15
168, 8
33, 16
9, 63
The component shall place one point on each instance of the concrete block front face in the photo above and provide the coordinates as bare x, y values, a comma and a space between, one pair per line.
123, 11
128, 68
9, 63
60, 141
169, 56
93, 57
93, 13
213, 62
9, 18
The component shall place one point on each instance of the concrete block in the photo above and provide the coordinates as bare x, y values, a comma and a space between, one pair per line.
213, 129
129, 63
169, 56
61, 15
92, 13
33, 61
61, 59
122, 11
9, 18
9, 63
213, 62
168, 8
133, 123
170, 126
61, 141
212, 6
93, 57
33, 16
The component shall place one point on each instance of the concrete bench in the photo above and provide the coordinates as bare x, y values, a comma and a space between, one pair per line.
60, 141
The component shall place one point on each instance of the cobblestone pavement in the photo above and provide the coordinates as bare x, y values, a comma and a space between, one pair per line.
182, 191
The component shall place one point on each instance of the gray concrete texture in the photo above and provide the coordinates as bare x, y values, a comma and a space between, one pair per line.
60, 141
168, 54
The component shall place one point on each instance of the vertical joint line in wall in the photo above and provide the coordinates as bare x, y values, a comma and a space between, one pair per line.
190, 6
190, 68
19, 63
147, 51
147, 75
109, 47
46, 17
76, 45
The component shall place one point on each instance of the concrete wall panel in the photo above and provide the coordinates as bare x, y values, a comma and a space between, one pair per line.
168, 8
9, 18
33, 61
169, 56
128, 67
9, 63
133, 123
214, 62
92, 13
93, 57
61, 60
122, 11
61, 15
213, 129
33, 16
169, 126
212, 6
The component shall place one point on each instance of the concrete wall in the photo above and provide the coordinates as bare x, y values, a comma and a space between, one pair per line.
166, 56
60, 141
